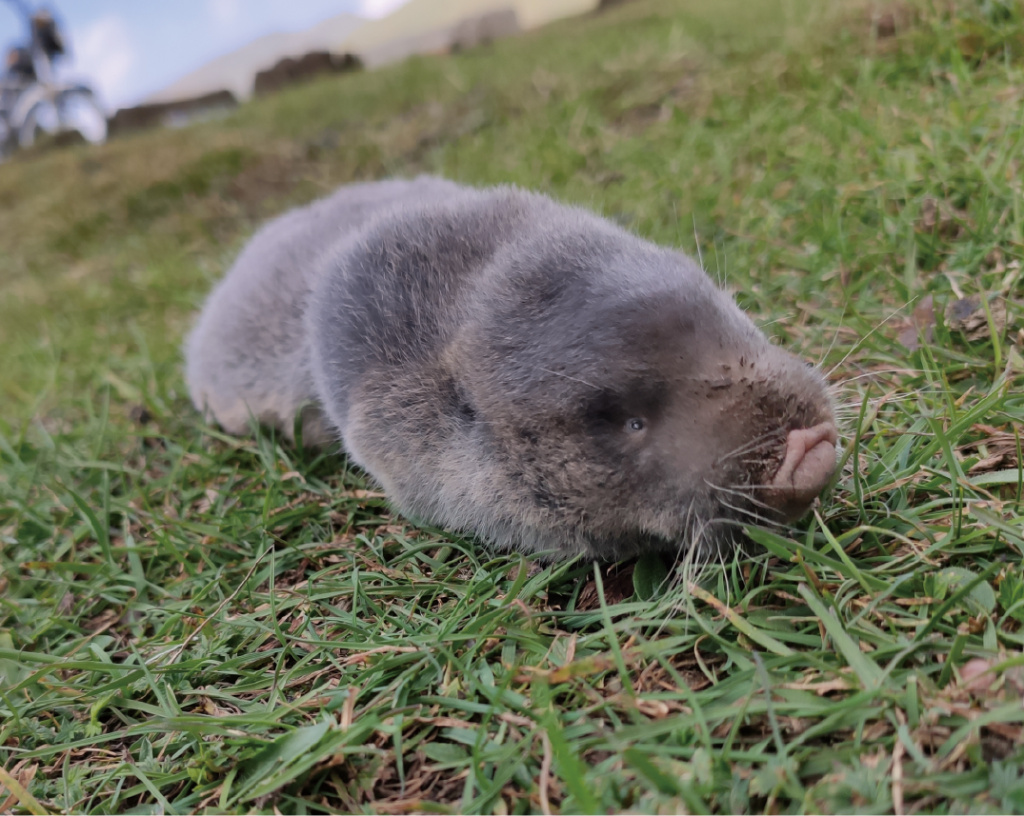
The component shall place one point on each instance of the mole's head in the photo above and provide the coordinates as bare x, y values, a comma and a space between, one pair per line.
632, 405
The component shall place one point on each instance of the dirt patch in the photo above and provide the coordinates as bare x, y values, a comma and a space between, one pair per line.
268, 179
885, 21
647, 99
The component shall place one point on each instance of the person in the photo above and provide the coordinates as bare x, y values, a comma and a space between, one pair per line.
22, 63
32, 98
45, 41
18, 64
19, 72
45, 34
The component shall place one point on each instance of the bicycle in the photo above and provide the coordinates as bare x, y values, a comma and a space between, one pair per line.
33, 102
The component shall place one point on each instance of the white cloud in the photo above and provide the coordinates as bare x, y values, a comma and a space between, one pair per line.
378, 8
104, 56
225, 12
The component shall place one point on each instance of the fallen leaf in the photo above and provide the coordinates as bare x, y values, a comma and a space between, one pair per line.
996, 448
968, 315
941, 218
979, 677
885, 25
918, 327
23, 773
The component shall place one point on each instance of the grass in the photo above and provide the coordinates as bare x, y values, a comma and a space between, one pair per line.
195, 623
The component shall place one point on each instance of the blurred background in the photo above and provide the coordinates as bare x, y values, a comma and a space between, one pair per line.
131, 50
852, 169
169, 63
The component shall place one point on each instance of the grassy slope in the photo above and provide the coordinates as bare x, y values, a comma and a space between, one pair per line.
189, 622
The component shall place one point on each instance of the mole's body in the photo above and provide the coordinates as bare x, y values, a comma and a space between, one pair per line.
514, 368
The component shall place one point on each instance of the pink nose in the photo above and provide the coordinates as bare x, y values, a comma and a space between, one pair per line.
805, 470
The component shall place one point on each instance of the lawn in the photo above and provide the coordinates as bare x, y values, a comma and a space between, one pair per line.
195, 623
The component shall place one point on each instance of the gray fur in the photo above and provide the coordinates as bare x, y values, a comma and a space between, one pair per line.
483, 354
248, 355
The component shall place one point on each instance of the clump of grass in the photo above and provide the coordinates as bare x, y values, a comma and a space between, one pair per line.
191, 622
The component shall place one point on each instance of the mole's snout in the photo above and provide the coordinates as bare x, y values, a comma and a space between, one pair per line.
808, 464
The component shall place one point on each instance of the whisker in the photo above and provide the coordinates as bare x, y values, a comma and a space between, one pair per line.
909, 372
741, 491
859, 343
568, 377
743, 512
696, 240
757, 443
747, 512
835, 339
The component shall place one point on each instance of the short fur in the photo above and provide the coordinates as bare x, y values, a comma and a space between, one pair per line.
510, 367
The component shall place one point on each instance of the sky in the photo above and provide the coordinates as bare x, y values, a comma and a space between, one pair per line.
127, 49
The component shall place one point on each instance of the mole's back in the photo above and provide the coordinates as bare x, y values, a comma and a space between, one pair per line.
247, 356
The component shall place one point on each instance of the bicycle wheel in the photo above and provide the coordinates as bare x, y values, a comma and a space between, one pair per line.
41, 118
80, 111
7, 144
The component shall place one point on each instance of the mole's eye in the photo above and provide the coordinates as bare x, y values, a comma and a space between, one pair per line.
635, 424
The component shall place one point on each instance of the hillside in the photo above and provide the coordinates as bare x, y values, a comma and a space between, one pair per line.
195, 623
236, 70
